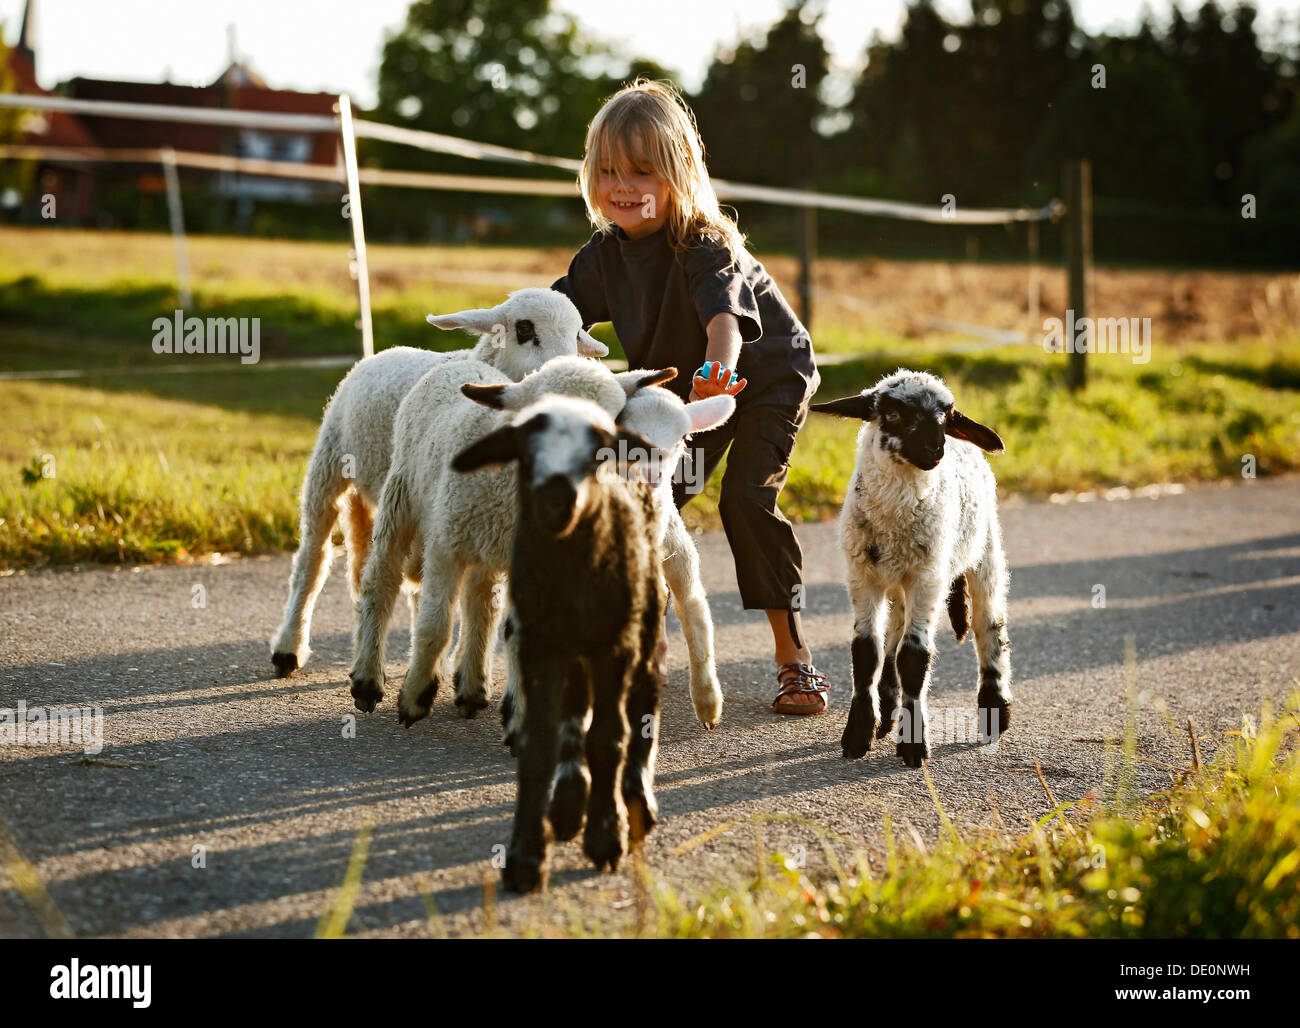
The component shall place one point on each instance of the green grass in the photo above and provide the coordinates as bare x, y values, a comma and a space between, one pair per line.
1216, 856
154, 466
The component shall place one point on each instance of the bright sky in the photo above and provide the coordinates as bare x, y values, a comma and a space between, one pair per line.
335, 44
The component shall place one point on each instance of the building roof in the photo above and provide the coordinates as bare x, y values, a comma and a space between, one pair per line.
46, 128
123, 132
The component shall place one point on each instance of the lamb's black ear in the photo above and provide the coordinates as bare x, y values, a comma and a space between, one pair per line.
488, 395
634, 441
861, 406
654, 378
961, 427
498, 447
634, 381
633, 449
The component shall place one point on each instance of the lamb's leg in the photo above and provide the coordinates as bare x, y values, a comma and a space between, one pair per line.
381, 580
605, 837
439, 587
525, 868
321, 488
914, 657
358, 525
682, 572
411, 578
889, 672
864, 713
648, 680
572, 780
988, 591
480, 613
512, 699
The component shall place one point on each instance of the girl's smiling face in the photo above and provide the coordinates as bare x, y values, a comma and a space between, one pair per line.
632, 194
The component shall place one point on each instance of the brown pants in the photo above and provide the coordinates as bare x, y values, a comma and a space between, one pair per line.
769, 563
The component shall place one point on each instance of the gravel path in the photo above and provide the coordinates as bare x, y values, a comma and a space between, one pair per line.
203, 748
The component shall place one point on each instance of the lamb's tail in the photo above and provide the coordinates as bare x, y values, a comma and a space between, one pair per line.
959, 607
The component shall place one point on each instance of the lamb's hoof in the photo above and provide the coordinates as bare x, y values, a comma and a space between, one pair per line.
708, 705
914, 754
366, 692
285, 664
469, 703
603, 843
468, 706
859, 736
523, 874
988, 702
410, 712
641, 817
886, 726
568, 807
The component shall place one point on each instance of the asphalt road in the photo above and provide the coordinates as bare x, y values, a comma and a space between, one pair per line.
203, 748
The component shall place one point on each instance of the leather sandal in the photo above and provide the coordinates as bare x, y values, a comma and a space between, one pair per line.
801, 678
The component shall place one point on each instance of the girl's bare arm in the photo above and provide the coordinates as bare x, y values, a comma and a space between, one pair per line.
723, 347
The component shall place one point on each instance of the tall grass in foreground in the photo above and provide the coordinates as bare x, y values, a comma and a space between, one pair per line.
1215, 856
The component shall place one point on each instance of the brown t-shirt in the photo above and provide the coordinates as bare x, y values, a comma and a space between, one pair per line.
661, 302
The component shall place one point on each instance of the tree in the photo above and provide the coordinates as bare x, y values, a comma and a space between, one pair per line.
1141, 131
760, 106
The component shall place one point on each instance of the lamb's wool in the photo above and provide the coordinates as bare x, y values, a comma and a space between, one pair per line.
354, 446
590, 652
461, 524
914, 537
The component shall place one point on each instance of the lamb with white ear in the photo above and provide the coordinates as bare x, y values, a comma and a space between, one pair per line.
449, 530
920, 525
660, 417
350, 460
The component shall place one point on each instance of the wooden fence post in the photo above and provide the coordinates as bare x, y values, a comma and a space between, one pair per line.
1078, 258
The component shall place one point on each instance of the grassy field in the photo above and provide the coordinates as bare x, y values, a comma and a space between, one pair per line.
137, 463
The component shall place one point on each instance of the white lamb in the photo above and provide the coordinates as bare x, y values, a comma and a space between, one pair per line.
918, 527
447, 529
350, 459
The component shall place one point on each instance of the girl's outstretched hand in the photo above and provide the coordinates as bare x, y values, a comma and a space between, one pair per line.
714, 379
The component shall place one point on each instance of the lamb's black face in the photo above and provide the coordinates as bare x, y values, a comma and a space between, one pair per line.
557, 457
912, 429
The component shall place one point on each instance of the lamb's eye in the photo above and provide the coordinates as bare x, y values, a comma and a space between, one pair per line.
891, 417
525, 332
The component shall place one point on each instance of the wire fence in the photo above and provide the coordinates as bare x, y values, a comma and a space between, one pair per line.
346, 172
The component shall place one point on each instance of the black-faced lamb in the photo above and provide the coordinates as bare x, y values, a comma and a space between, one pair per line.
665, 421
919, 527
353, 447
587, 607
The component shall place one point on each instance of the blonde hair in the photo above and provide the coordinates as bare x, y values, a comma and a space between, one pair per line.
651, 119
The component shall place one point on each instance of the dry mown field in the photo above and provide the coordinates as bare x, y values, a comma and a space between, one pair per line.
856, 297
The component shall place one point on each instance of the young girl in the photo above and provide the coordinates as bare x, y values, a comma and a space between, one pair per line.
672, 273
